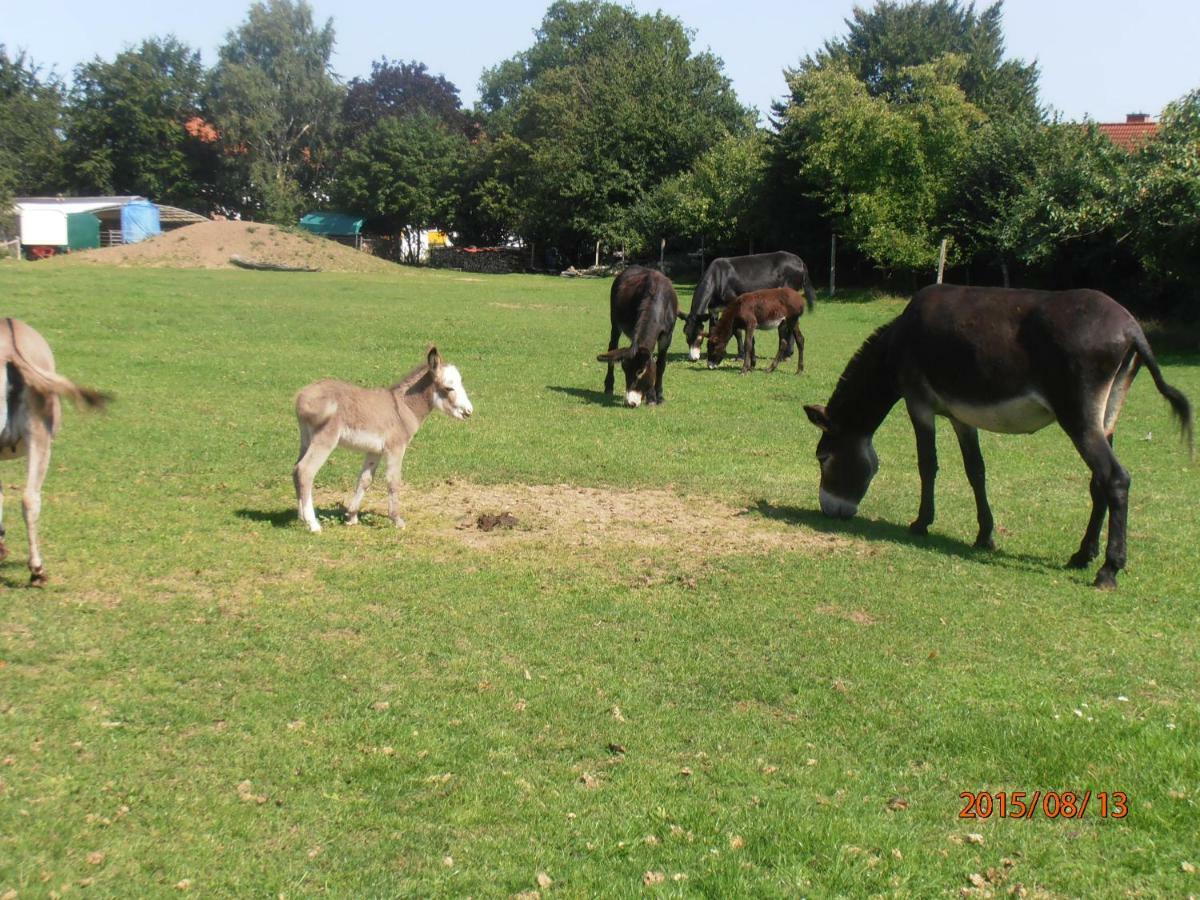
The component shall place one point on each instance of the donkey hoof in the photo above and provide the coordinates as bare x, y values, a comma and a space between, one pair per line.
1106, 579
399, 523
1080, 560
37, 577
919, 527
985, 543
351, 520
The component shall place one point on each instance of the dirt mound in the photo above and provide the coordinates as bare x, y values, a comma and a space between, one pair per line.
209, 245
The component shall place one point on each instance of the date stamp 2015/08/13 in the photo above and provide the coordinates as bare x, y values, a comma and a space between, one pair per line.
1048, 804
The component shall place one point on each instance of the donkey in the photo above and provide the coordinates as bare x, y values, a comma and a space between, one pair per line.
642, 304
29, 419
728, 277
1009, 361
773, 308
377, 422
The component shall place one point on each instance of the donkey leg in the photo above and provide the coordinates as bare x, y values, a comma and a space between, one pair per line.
664, 344
3, 546
748, 358
365, 477
394, 464
31, 500
927, 465
322, 443
1111, 482
1089, 547
968, 443
614, 338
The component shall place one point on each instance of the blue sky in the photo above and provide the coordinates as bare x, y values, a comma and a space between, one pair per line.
1100, 58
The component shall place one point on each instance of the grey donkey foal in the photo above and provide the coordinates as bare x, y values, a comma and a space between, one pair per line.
378, 422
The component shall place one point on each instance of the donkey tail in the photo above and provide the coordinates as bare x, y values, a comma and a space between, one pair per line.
46, 382
810, 295
1181, 408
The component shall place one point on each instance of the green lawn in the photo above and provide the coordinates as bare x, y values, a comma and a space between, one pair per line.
690, 675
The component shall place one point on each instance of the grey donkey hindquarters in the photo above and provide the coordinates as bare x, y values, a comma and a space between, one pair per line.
30, 413
378, 422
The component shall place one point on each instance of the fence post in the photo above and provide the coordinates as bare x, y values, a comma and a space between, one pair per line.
942, 260
832, 262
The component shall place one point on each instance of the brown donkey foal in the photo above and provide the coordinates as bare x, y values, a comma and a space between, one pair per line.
377, 422
772, 308
30, 413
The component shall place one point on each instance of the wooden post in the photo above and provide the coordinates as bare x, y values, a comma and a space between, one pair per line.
662, 251
597, 254
1004, 272
942, 260
832, 263
532, 254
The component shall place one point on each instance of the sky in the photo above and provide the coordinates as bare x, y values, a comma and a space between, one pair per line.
1098, 58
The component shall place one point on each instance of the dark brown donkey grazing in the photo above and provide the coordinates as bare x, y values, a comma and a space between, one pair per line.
642, 304
30, 413
1010, 361
770, 309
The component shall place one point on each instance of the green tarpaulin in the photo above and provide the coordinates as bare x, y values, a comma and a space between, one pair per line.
332, 223
83, 231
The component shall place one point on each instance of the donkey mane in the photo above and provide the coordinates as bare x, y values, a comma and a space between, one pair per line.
856, 398
410, 380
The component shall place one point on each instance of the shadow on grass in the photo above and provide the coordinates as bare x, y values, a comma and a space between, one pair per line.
894, 533
587, 395
286, 518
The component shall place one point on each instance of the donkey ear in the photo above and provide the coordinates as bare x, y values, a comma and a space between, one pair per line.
818, 416
433, 359
613, 355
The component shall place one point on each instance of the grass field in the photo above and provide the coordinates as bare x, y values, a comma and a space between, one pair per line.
672, 677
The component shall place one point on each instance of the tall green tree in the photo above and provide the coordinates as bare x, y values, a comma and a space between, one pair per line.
276, 104
884, 41
885, 168
403, 174
1165, 205
30, 118
719, 200
127, 125
606, 104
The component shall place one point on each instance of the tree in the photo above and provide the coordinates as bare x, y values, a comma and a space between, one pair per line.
403, 175
1165, 205
718, 200
399, 89
127, 125
891, 37
276, 104
606, 104
885, 168
30, 116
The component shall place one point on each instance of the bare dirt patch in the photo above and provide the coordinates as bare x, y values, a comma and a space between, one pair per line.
857, 616
209, 245
569, 516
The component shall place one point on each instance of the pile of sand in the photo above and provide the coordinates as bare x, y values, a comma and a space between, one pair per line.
209, 245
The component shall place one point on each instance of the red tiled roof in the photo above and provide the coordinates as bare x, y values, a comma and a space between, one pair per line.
1129, 136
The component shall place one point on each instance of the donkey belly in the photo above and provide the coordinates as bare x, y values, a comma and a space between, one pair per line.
362, 440
1024, 414
770, 324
